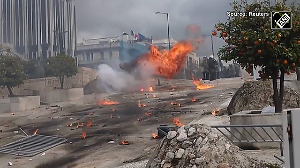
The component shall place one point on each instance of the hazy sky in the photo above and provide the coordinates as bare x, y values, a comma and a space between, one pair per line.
105, 18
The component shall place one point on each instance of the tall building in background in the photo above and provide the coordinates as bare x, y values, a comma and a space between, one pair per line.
38, 29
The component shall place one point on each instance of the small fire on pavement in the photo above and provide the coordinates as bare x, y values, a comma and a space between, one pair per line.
89, 123
35, 132
151, 89
107, 102
70, 125
79, 124
177, 122
83, 135
201, 86
193, 99
124, 143
215, 112
141, 105
148, 114
155, 136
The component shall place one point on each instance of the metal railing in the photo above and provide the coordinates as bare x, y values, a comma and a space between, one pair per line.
251, 133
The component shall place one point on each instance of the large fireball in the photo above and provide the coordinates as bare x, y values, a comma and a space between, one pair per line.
167, 63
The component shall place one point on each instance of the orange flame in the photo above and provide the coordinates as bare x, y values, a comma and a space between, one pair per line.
89, 123
167, 63
141, 105
151, 89
177, 122
83, 135
215, 112
201, 86
35, 132
193, 99
79, 124
155, 136
125, 143
148, 114
70, 125
107, 102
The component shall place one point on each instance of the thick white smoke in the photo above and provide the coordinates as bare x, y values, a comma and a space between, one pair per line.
114, 79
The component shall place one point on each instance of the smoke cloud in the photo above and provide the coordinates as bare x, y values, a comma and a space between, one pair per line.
113, 79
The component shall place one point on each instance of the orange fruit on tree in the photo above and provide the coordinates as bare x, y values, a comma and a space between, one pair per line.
243, 32
255, 42
274, 42
259, 51
239, 41
219, 28
224, 34
293, 64
279, 35
259, 40
298, 41
214, 33
285, 61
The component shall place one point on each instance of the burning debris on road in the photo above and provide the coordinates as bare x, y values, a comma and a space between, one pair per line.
177, 122
107, 102
83, 135
124, 143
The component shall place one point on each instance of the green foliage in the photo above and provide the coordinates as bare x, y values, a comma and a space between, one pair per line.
251, 42
61, 66
34, 69
11, 71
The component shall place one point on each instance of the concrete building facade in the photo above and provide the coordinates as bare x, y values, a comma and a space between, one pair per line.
94, 52
38, 29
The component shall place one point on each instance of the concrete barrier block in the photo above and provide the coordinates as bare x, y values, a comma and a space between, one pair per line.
255, 117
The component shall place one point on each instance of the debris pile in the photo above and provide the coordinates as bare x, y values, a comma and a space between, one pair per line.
193, 146
255, 95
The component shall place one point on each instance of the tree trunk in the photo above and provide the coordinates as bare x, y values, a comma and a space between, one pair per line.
298, 73
61, 80
11, 94
275, 89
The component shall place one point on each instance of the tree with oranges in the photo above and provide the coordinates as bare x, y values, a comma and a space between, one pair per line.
252, 43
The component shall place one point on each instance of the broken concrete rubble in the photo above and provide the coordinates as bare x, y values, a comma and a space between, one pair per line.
255, 95
200, 147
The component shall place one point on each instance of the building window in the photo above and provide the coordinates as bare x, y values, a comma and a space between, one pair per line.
101, 56
88, 56
110, 55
